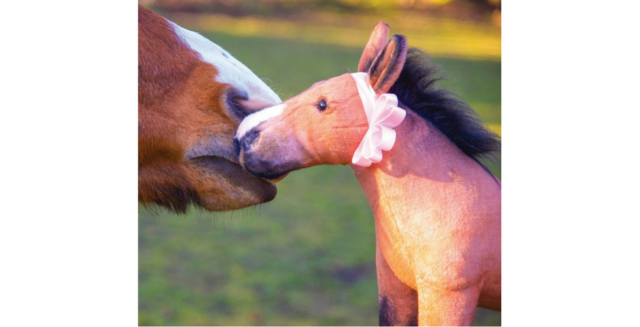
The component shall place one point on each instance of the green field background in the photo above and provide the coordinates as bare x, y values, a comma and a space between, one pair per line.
308, 257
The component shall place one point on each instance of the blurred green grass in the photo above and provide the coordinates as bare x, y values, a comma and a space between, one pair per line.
444, 37
306, 258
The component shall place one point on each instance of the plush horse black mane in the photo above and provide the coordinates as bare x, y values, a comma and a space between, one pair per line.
453, 117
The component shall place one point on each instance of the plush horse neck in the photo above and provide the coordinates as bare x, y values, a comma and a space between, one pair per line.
424, 185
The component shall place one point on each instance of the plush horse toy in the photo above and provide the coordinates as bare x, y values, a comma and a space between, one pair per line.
437, 210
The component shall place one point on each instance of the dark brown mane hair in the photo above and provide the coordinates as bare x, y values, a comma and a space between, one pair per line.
453, 117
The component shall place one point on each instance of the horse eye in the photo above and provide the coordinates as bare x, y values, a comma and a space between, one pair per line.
322, 105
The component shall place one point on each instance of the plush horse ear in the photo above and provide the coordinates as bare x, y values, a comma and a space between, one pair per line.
377, 42
386, 68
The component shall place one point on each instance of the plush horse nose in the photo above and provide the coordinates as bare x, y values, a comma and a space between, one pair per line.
245, 142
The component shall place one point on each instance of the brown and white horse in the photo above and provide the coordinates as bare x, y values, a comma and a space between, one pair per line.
192, 94
437, 211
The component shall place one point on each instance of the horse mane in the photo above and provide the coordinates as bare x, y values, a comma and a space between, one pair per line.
443, 108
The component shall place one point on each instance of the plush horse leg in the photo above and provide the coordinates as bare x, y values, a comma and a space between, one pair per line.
440, 307
397, 302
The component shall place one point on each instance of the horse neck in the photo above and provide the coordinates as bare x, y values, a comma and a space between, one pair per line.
424, 172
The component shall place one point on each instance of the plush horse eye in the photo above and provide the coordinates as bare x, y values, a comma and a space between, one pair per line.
322, 105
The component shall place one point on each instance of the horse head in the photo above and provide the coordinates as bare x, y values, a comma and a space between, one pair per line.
192, 95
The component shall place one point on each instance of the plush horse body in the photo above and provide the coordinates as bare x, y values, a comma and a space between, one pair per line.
437, 210
192, 94
437, 229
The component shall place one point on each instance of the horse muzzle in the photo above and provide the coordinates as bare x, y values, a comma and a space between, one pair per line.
262, 157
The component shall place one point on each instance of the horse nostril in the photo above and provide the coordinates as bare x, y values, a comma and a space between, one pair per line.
248, 139
236, 147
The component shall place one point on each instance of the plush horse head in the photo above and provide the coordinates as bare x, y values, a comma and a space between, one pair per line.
324, 124
192, 94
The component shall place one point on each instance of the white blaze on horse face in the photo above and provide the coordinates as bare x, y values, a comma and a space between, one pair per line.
256, 118
230, 70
